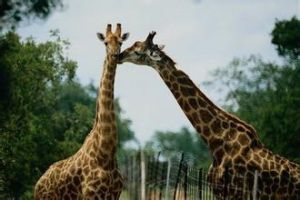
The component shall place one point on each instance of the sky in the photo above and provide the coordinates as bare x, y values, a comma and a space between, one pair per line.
200, 35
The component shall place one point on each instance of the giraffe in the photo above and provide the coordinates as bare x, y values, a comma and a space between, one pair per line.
233, 144
92, 173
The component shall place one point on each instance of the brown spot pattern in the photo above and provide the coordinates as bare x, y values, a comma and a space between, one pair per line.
205, 116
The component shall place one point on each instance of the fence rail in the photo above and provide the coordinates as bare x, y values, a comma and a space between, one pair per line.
178, 177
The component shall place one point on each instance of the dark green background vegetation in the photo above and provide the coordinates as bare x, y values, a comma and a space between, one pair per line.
45, 112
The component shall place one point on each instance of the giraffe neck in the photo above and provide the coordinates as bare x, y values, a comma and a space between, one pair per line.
105, 101
216, 127
102, 141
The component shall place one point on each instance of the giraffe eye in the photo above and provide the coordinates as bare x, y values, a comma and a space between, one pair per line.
105, 43
120, 43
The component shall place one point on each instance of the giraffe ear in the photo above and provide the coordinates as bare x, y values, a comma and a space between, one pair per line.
101, 36
125, 36
161, 46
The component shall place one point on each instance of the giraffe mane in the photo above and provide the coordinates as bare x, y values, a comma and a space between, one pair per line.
168, 60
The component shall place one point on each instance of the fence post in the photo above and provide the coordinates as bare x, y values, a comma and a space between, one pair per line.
136, 175
178, 175
156, 174
131, 175
162, 177
200, 184
254, 191
149, 177
244, 192
168, 179
185, 184
225, 183
143, 176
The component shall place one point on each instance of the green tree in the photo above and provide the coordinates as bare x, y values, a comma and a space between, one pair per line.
286, 37
170, 143
45, 113
126, 134
267, 96
30, 74
13, 12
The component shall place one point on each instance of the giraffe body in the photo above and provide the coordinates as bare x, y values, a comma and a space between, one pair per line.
92, 172
81, 181
233, 144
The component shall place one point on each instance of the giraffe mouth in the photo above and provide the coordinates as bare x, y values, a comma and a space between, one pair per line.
115, 56
120, 58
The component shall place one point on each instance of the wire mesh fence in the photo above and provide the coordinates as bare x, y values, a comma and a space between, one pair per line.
179, 177
164, 178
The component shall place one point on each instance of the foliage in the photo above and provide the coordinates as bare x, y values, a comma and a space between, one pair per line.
286, 37
45, 113
267, 96
12, 12
170, 143
30, 75
123, 127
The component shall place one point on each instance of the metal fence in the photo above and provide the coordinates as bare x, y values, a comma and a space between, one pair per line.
177, 177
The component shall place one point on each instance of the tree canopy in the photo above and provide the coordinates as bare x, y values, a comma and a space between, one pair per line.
286, 37
184, 140
266, 94
13, 12
45, 112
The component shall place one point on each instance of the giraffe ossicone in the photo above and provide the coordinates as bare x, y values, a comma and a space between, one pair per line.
92, 172
233, 143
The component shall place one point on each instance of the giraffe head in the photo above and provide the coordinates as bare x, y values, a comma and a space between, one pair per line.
113, 41
143, 53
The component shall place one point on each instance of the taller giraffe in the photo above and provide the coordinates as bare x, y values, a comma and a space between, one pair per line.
92, 173
233, 143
